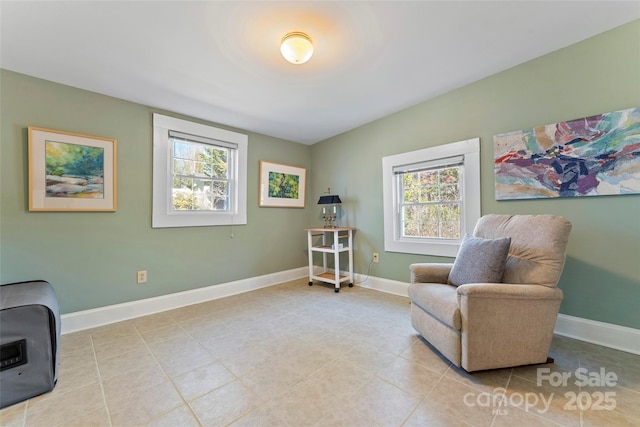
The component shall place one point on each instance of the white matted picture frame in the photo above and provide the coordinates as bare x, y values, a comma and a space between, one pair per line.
281, 186
70, 171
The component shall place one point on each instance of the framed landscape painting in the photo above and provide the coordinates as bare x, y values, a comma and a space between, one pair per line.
71, 172
282, 186
593, 156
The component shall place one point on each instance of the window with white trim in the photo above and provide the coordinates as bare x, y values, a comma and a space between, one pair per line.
431, 198
199, 174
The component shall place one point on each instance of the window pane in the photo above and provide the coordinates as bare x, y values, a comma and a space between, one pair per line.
450, 175
429, 194
429, 229
429, 178
410, 180
450, 192
182, 167
431, 203
182, 194
182, 183
183, 200
215, 162
201, 190
182, 150
411, 195
450, 212
450, 229
411, 213
194, 165
411, 229
199, 169
219, 195
410, 188
206, 160
429, 213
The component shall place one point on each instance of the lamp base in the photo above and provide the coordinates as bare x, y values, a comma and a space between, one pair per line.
329, 221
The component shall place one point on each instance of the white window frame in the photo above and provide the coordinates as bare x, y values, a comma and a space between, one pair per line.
470, 187
163, 215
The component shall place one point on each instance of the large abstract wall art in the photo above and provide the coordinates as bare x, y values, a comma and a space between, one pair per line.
593, 156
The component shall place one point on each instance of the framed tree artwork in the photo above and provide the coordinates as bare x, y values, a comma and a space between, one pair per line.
281, 186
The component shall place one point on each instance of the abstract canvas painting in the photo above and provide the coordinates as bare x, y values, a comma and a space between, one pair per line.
592, 156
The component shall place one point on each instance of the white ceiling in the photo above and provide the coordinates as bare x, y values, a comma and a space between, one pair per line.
220, 60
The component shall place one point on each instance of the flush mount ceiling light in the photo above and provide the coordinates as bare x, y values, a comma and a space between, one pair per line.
296, 47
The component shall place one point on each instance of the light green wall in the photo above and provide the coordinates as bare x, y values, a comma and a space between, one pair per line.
601, 280
92, 258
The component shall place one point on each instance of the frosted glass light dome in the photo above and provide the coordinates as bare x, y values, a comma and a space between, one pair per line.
296, 48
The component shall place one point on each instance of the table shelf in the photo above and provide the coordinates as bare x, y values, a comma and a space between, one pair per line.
328, 249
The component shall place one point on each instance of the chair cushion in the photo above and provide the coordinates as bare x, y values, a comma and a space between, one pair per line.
439, 300
538, 246
480, 260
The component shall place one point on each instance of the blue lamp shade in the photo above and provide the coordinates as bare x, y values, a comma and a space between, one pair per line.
329, 200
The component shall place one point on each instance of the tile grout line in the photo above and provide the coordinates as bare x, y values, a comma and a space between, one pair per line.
263, 403
506, 387
46, 396
24, 415
169, 378
104, 396
581, 414
214, 358
435, 384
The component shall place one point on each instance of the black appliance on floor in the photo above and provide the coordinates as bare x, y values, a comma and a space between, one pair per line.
29, 340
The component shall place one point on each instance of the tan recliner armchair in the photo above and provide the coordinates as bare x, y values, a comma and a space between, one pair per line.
482, 326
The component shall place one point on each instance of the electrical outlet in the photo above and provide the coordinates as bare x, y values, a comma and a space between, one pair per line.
142, 276
376, 257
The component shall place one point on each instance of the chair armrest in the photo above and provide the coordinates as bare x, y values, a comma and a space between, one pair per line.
508, 291
506, 324
430, 272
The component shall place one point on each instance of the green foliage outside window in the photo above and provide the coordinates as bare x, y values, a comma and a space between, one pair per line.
431, 203
200, 176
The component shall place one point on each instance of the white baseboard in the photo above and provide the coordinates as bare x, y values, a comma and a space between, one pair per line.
92, 318
394, 287
606, 334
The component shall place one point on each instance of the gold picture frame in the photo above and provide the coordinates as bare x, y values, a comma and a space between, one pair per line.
281, 186
71, 171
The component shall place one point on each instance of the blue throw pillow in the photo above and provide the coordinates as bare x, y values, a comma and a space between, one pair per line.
480, 260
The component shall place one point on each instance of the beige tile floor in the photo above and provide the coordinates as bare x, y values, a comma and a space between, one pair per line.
293, 355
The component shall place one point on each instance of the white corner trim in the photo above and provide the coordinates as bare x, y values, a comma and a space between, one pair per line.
92, 318
601, 333
394, 287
